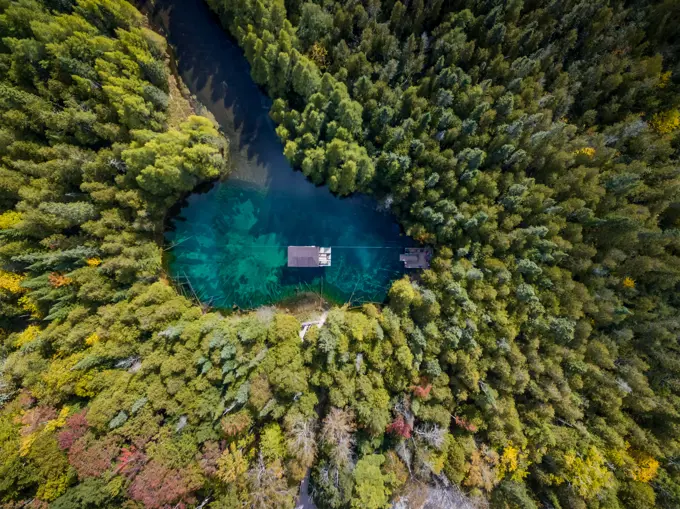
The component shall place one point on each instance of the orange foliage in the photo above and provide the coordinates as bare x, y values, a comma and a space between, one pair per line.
58, 280
422, 392
130, 461
462, 423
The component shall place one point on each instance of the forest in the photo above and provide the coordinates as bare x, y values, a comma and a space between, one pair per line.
533, 144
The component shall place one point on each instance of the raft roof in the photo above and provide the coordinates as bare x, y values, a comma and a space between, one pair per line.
416, 257
303, 256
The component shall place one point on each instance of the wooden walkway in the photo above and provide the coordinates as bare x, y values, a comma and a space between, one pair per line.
319, 323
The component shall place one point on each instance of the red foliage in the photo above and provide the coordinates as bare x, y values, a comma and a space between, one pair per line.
464, 424
130, 461
422, 392
35, 418
75, 428
158, 486
91, 457
400, 427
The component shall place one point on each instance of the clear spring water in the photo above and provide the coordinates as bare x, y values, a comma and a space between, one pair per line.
230, 243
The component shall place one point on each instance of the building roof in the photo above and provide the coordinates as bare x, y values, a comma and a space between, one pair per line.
416, 258
303, 256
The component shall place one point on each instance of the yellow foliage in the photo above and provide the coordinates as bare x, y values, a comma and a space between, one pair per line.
9, 219
513, 462
508, 462
587, 474
232, 465
620, 457
27, 335
436, 462
83, 387
628, 282
41, 448
59, 378
11, 282
93, 262
28, 304
53, 488
586, 151
27, 442
115, 486
246, 443
646, 467
319, 54
92, 339
664, 78
59, 422
666, 122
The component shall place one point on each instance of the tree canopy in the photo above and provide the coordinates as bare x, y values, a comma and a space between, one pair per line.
533, 145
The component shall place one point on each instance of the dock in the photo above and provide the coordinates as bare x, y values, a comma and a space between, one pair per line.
416, 257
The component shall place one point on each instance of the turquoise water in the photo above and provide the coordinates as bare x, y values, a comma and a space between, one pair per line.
230, 243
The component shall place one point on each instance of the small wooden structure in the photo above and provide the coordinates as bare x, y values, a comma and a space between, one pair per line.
309, 256
324, 257
416, 257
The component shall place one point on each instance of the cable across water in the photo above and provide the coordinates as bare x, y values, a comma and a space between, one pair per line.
286, 245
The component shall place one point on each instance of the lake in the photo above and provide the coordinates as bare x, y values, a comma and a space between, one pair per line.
229, 244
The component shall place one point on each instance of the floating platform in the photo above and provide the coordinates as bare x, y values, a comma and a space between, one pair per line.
416, 257
309, 256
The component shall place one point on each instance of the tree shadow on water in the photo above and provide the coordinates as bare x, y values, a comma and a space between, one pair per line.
217, 72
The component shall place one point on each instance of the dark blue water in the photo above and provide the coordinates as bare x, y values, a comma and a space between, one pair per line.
231, 242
